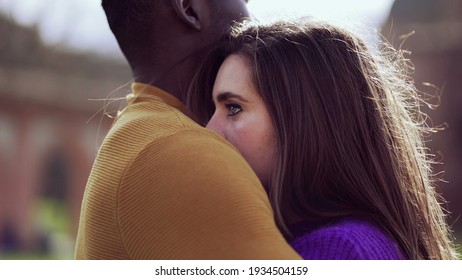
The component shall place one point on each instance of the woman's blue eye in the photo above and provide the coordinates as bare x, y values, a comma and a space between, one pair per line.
233, 109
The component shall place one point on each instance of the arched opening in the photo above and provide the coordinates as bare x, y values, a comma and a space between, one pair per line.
52, 212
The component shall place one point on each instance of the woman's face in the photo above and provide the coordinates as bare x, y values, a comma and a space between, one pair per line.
241, 116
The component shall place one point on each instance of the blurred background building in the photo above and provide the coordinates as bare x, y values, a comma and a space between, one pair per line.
50, 127
48, 138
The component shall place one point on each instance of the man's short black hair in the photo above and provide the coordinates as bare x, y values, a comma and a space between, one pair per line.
120, 13
131, 23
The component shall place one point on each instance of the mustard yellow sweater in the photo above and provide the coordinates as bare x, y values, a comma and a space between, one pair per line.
163, 187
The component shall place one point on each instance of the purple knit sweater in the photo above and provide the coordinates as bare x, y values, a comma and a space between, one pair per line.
348, 239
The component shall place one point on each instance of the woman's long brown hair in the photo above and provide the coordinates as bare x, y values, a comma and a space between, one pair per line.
349, 131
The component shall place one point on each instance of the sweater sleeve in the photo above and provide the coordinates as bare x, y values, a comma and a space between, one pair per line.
348, 240
190, 196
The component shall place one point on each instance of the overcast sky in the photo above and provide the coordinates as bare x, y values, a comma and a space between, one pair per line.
82, 24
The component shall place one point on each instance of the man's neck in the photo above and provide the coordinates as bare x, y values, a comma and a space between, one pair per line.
174, 79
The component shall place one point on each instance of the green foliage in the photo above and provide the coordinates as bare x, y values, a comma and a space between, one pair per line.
27, 256
53, 216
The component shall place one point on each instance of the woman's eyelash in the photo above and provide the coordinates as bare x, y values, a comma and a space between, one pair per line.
233, 109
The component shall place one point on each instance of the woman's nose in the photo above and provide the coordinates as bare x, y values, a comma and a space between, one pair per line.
214, 125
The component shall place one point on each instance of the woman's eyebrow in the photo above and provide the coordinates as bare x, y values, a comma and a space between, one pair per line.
227, 95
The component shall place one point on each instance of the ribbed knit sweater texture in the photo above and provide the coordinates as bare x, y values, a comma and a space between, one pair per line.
348, 239
163, 187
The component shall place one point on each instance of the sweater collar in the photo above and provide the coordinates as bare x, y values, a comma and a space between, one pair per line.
141, 91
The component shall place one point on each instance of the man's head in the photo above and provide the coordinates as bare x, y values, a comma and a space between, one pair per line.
159, 34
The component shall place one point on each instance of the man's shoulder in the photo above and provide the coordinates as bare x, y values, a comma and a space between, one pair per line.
191, 148
152, 121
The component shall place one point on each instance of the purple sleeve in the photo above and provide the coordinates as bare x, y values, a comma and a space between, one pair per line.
347, 240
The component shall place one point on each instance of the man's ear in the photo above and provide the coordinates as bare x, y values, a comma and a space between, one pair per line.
186, 12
